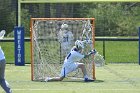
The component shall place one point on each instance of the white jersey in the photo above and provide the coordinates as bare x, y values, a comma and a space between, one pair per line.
71, 62
1, 54
66, 40
73, 56
65, 36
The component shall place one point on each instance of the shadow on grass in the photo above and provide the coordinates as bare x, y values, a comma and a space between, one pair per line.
73, 80
81, 81
98, 81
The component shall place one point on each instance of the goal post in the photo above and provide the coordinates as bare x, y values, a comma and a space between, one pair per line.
49, 47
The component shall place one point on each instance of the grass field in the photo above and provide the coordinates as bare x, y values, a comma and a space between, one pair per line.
112, 78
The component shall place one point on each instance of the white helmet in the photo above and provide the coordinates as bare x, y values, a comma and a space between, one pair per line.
79, 44
64, 26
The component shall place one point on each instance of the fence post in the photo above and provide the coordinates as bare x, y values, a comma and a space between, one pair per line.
139, 45
104, 49
19, 46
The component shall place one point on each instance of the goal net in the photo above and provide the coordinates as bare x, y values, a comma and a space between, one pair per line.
52, 39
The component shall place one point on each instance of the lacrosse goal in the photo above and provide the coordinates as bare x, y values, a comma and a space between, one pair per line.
48, 47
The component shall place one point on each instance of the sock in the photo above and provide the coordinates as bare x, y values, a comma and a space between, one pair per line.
86, 76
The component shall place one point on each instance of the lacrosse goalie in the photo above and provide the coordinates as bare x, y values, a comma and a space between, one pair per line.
71, 62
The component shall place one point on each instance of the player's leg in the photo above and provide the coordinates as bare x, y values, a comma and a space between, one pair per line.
83, 68
4, 84
54, 79
70, 67
64, 72
62, 76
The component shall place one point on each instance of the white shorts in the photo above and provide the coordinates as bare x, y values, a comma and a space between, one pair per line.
68, 67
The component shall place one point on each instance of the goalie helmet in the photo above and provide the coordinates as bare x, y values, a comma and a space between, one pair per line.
64, 26
79, 44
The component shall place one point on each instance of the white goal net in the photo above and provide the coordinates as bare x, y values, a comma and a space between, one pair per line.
52, 39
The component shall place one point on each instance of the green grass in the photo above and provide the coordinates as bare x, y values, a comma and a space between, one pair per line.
8, 48
119, 51
115, 51
113, 78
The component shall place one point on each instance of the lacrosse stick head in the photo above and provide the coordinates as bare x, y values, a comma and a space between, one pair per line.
88, 26
2, 33
99, 60
87, 30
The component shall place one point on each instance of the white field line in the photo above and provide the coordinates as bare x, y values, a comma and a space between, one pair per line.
72, 89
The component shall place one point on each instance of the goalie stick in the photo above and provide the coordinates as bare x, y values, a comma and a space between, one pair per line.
98, 58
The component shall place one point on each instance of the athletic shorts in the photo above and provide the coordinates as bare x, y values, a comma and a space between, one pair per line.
68, 67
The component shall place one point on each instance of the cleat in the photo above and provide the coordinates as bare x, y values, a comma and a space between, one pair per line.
88, 80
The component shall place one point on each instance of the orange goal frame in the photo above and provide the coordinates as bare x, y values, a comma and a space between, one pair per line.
31, 30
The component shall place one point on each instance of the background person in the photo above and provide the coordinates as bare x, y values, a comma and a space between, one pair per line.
4, 84
66, 39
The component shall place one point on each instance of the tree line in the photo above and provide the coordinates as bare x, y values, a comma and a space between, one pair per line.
111, 18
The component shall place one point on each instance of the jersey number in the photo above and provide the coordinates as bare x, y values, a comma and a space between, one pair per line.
65, 39
68, 55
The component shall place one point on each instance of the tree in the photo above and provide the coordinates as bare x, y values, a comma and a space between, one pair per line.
113, 20
47, 10
5, 11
